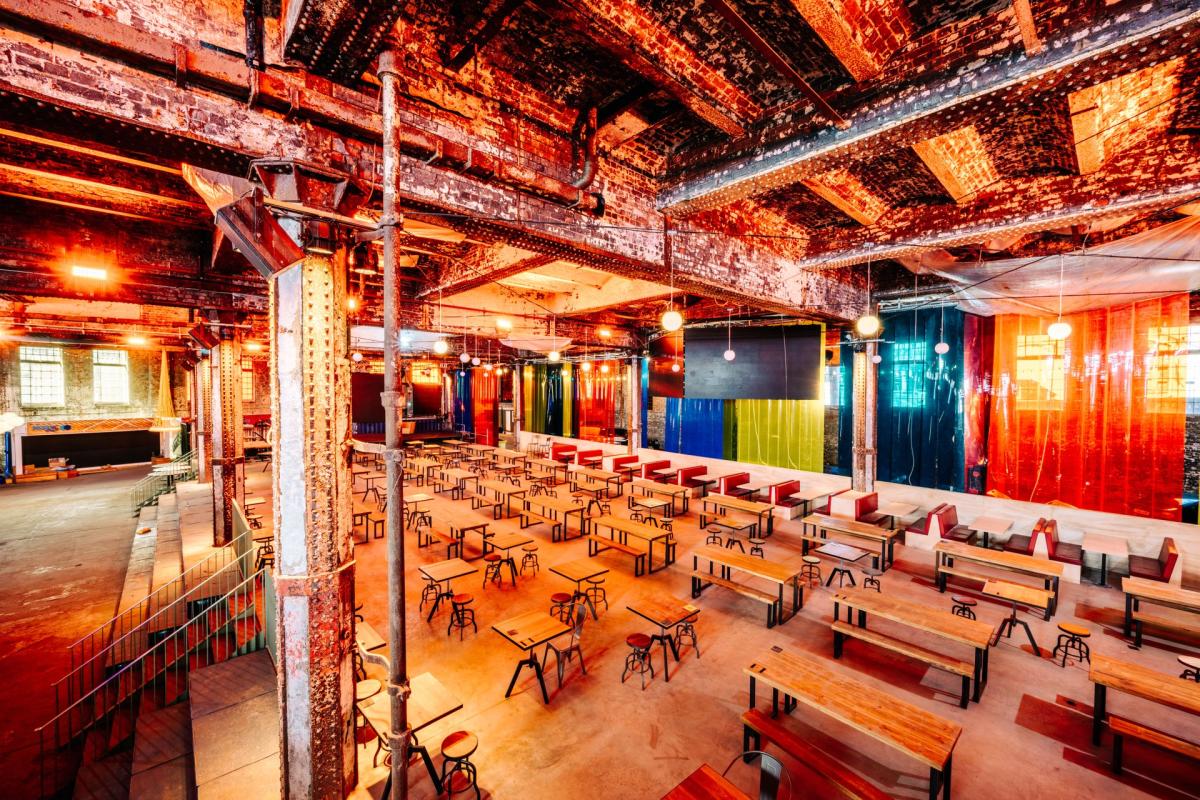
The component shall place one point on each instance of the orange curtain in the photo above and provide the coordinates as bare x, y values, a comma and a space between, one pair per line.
1096, 420
595, 400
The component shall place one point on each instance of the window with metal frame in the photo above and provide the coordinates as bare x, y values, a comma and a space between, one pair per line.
42, 382
247, 381
110, 377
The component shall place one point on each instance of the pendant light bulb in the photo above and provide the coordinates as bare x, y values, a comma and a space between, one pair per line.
672, 320
475, 361
464, 356
553, 356
876, 359
1059, 330
604, 368
868, 325
441, 347
730, 355
356, 356
675, 367
941, 348
586, 366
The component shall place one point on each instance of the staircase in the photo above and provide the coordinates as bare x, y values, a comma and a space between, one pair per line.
122, 728
161, 480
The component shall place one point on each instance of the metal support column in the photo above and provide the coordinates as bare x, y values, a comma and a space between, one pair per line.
314, 561
862, 474
392, 225
228, 459
633, 435
202, 385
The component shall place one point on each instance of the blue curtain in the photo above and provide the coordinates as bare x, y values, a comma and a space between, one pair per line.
695, 427
463, 412
645, 383
845, 410
554, 400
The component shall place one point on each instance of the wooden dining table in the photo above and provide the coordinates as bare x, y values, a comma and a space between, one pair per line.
649, 488
578, 571
1142, 590
558, 508
429, 702
705, 784
442, 573
620, 529
1140, 681
527, 632
804, 679
723, 504
780, 574
668, 613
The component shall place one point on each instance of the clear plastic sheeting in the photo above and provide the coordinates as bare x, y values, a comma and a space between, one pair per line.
1162, 261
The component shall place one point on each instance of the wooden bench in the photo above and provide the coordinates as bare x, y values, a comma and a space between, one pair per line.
747, 591
1121, 727
555, 525
966, 671
597, 543
757, 725
967, 574
479, 501
441, 484
1140, 619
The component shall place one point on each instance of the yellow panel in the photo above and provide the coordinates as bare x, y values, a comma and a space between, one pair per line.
781, 433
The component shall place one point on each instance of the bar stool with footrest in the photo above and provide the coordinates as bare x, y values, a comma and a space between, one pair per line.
596, 593
1191, 668
265, 556
564, 654
1071, 643
491, 571
871, 578
560, 605
963, 606
460, 615
714, 535
756, 547
638, 660
458, 773
811, 571
530, 558
687, 629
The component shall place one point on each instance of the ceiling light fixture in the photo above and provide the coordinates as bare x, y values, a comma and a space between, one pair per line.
586, 366
672, 320
941, 348
441, 347
1058, 329
503, 324
604, 367
729, 354
254, 347
136, 340
553, 356
352, 303
91, 273
356, 356
868, 325
604, 333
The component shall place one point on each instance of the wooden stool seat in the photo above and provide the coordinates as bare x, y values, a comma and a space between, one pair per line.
1191, 662
1071, 629
492, 557
367, 688
811, 560
755, 540
638, 640
561, 597
460, 745
530, 548
964, 601
462, 599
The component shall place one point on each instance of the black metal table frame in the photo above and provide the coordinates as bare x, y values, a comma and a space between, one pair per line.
666, 638
774, 611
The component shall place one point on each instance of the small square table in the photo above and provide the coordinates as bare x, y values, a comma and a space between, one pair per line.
843, 553
667, 613
506, 542
1106, 546
577, 572
990, 525
895, 512
442, 572
526, 632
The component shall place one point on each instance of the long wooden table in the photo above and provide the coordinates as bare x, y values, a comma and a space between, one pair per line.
460, 478
723, 504
973, 633
548, 466
885, 537
620, 529
772, 571
1050, 572
511, 456
559, 509
1123, 676
526, 632
649, 488
1141, 590
503, 492
911, 730
611, 479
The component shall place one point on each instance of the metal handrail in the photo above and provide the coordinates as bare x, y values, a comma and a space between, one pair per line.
127, 683
152, 486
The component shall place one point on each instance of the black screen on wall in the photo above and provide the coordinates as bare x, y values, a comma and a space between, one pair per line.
781, 362
90, 449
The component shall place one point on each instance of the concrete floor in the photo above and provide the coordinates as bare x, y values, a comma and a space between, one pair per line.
64, 547
598, 737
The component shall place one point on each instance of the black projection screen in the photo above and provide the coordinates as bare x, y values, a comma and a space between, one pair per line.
781, 362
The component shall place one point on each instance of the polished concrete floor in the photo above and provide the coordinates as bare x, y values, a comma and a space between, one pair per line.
1030, 735
64, 549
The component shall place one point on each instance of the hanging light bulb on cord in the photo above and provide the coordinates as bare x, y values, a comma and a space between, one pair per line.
672, 320
1059, 329
553, 356
868, 325
729, 354
941, 348
441, 347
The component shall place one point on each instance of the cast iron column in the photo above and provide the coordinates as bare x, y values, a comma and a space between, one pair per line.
393, 408
314, 567
202, 386
633, 434
862, 474
228, 461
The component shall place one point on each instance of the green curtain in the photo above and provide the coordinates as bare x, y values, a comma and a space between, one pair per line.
533, 380
781, 433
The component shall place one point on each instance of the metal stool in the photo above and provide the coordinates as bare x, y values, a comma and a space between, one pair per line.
595, 592
1071, 642
687, 629
666, 524
756, 547
460, 615
637, 516
458, 773
530, 558
811, 571
429, 593
714, 535
732, 540
491, 572
560, 605
265, 557
963, 606
871, 578
638, 660
1191, 668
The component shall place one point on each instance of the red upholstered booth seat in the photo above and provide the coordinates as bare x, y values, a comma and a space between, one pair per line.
1022, 543
690, 476
947, 517
621, 461
1060, 551
778, 494
730, 484
1156, 569
824, 509
583, 456
649, 467
922, 526
561, 452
